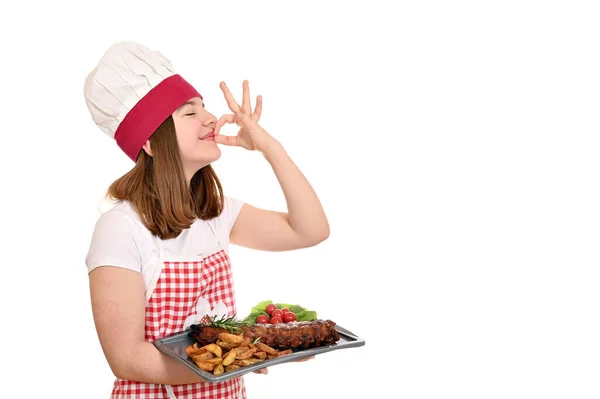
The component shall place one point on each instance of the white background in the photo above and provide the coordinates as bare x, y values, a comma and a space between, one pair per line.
454, 146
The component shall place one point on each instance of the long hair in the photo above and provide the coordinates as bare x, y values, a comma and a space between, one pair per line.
157, 188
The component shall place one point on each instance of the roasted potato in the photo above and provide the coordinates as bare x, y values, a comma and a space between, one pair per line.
205, 365
246, 355
231, 352
218, 369
203, 356
214, 348
229, 357
266, 348
226, 345
231, 338
190, 351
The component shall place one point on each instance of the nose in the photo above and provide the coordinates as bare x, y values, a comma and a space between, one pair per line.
209, 119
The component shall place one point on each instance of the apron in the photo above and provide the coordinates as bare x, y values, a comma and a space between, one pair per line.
179, 287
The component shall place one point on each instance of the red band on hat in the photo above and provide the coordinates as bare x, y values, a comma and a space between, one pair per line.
150, 112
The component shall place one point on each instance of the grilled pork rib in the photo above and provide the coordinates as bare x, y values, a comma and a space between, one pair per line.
282, 336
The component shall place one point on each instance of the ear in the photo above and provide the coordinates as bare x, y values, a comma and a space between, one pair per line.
147, 148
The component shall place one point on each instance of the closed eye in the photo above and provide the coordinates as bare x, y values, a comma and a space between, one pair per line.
192, 114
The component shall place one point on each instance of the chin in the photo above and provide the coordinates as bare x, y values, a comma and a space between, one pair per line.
210, 156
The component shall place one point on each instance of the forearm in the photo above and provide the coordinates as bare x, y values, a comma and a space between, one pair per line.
147, 364
305, 212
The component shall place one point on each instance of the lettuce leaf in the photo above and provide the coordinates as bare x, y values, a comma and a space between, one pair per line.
302, 314
306, 315
293, 308
251, 318
262, 306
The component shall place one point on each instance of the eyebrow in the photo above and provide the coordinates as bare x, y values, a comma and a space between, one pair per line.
190, 102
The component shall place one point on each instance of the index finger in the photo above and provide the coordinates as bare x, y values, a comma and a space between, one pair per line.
246, 98
222, 121
231, 103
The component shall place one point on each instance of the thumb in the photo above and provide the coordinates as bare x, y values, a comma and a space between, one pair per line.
226, 140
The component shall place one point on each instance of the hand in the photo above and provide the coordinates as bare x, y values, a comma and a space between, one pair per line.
305, 359
262, 371
251, 135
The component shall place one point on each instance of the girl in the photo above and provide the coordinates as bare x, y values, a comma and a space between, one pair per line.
158, 260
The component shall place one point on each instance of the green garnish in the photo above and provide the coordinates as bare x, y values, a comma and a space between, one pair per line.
230, 323
302, 314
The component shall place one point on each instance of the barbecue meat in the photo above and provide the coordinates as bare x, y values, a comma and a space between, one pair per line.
282, 336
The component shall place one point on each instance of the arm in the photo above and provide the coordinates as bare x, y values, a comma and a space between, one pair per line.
118, 306
305, 223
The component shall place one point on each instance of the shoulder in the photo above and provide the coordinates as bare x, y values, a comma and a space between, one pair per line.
231, 210
121, 210
116, 239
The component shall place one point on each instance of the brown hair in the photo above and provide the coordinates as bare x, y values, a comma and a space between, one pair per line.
158, 190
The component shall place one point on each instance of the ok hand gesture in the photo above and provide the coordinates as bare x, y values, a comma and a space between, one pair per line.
251, 135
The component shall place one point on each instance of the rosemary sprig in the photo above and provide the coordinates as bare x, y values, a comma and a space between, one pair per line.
228, 323
256, 341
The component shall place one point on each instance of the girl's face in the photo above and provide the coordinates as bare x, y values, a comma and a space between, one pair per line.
195, 126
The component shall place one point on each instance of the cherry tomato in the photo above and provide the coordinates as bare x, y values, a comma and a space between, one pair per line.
277, 313
285, 310
270, 308
289, 317
262, 319
276, 319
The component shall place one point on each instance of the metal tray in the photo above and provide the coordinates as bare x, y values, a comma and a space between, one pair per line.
174, 346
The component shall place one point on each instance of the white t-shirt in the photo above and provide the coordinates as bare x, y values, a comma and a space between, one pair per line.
121, 239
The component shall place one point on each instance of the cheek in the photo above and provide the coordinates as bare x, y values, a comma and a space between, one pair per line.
187, 133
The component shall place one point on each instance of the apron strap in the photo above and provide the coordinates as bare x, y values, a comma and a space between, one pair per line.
170, 392
157, 271
215, 234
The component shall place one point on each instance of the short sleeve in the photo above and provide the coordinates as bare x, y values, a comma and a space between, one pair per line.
114, 243
231, 210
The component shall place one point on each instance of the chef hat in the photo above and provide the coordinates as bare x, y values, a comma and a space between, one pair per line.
131, 92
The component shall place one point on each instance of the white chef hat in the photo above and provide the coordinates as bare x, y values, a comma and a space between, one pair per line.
131, 93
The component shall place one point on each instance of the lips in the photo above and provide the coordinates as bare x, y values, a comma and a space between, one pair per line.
209, 136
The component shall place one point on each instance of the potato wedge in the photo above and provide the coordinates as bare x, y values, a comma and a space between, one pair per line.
225, 345
215, 361
229, 357
241, 349
247, 354
242, 362
191, 351
205, 365
203, 356
267, 349
214, 348
232, 367
285, 352
260, 355
218, 369
231, 338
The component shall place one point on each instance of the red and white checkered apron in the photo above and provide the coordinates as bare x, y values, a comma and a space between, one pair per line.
180, 283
